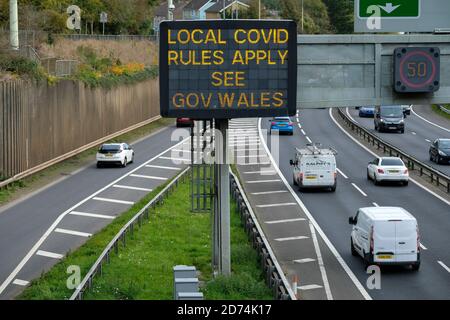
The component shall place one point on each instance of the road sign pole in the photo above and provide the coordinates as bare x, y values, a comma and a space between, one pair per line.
223, 198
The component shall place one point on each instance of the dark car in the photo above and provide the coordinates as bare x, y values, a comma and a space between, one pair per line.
185, 122
367, 112
440, 151
407, 110
389, 118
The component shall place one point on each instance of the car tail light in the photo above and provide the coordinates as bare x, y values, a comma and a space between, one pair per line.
274, 123
301, 176
290, 124
380, 171
406, 171
371, 239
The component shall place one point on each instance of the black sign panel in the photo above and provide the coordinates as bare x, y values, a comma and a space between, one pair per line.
226, 69
417, 70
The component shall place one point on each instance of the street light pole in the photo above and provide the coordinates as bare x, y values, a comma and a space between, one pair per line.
170, 10
259, 9
13, 25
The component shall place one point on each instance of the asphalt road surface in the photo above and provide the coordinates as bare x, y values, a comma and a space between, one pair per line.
331, 210
421, 129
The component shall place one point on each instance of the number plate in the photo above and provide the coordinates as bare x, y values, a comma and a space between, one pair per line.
384, 257
311, 178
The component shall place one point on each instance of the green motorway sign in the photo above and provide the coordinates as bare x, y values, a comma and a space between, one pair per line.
390, 8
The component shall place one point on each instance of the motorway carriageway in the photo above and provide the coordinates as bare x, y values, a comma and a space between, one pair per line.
37, 231
332, 210
421, 129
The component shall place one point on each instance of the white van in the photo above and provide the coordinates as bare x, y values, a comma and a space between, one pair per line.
315, 167
385, 235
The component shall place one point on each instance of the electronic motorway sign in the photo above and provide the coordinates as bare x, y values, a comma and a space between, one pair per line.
226, 69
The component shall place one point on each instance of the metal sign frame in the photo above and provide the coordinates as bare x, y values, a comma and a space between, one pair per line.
228, 113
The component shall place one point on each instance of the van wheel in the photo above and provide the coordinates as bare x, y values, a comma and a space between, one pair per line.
294, 181
415, 266
405, 183
125, 162
368, 175
354, 252
333, 188
367, 260
99, 165
375, 180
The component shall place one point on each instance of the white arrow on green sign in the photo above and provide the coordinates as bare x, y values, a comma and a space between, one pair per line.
390, 8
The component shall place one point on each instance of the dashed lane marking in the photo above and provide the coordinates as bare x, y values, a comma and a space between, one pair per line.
113, 200
261, 172
444, 266
309, 287
91, 215
309, 140
341, 173
48, 254
118, 186
148, 177
277, 205
284, 221
359, 189
162, 167
306, 260
268, 192
291, 238
73, 233
264, 181
20, 282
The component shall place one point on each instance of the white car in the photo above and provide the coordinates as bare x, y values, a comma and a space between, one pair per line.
115, 153
385, 235
390, 169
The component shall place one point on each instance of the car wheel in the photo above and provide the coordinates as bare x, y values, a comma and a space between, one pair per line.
125, 162
99, 165
402, 131
132, 158
333, 188
431, 157
416, 266
368, 175
294, 181
375, 180
354, 252
405, 183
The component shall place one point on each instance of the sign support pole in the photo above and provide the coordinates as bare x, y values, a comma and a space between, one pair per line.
222, 215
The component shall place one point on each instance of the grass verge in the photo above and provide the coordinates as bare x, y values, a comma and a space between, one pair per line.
437, 110
28, 185
143, 270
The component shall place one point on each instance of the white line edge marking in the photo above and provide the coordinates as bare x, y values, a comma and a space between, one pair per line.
304, 133
91, 215
341, 261
73, 233
118, 186
284, 221
268, 192
36, 246
148, 177
426, 120
309, 140
48, 254
350, 116
263, 181
20, 282
276, 205
341, 173
359, 189
113, 200
444, 266
375, 155
291, 238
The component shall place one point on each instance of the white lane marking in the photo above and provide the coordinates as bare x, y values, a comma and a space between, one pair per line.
162, 167
375, 204
22, 283
49, 254
246, 149
251, 156
264, 181
428, 140
176, 159
348, 113
321, 263
113, 200
375, 155
240, 144
309, 287
268, 192
36, 246
261, 172
291, 238
309, 140
286, 204
341, 173
254, 164
428, 121
148, 177
91, 215
413, 133
315, 224
118, 186
284, 221
306, 260
422, 246
444, 266
73, 233
359, 189
304, 133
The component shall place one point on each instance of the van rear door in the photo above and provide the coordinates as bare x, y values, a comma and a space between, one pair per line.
319, 170
384, 241
406, 244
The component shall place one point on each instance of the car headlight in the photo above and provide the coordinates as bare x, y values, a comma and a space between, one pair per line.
381, 120
442, 153
402, 121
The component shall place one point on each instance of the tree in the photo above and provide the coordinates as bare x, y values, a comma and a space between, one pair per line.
341, 13
315, 15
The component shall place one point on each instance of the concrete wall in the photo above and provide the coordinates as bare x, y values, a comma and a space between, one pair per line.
39, 123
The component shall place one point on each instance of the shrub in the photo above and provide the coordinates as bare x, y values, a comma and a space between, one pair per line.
21, 66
